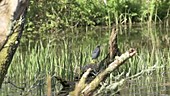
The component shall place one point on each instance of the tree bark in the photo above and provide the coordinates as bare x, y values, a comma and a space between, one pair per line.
12, 17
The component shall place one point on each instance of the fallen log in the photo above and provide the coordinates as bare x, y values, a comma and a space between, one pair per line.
83, 89
87, 82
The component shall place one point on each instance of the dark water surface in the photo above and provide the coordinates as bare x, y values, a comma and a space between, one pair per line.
149, 41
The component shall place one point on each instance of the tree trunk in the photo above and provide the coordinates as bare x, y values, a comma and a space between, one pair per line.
12, 14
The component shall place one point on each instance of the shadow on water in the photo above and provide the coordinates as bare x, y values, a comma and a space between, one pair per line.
59, 53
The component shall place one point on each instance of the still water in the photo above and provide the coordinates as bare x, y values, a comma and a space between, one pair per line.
50, 53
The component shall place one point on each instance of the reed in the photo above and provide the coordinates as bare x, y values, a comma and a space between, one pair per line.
34, 61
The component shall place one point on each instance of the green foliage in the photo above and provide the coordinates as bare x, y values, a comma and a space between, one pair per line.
163, 9
46, 16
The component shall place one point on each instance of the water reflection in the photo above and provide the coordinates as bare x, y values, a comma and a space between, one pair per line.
153, 85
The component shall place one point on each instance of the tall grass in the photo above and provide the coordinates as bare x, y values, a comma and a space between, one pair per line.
40, 58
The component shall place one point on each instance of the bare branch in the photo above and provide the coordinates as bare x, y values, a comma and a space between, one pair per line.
90, 88
81, 84
87, 89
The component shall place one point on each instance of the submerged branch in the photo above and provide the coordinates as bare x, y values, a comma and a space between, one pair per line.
145, 71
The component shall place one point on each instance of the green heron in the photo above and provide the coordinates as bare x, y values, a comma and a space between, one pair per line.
96, 52
93, 65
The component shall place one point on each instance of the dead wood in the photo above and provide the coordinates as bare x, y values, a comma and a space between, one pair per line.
102, 69
87, 89
112, 52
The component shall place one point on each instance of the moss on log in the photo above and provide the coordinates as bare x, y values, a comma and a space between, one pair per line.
6, 54
11, 31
